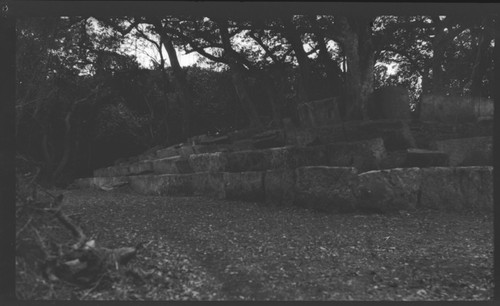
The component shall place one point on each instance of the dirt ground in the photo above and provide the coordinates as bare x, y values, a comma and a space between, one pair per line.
203, 249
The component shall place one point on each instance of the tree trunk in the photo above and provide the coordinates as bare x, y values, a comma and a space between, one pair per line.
479, 67
237, 71
245, 100
179, 80
67, 147
332, 69
306, 92
358, 48
275, 91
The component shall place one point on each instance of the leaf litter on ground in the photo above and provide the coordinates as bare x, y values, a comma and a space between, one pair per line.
206, 249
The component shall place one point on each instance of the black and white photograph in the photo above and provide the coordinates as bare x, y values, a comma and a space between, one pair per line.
252, 151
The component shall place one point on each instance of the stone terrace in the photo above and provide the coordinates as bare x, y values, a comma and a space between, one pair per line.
373, 166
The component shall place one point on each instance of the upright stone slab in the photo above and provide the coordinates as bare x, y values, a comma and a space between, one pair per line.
246, 186
326, 188
457, 188
363, 155
391, 102
279, 187
388, 190
473, 151
319, 112
165, 184
209, 184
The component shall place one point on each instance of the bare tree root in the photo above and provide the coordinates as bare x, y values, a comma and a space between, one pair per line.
83, 264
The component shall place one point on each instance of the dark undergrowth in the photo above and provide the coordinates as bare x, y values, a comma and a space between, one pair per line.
201, 249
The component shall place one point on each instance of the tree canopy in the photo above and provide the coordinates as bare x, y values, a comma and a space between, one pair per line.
84, 100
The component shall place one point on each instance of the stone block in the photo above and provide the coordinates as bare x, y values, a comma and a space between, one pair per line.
425, 158
364, 155
446, 108
388, 190
209, 184
100, 172
269, 139
117, 171
246, 186
185, 150
394, 159
84, 183
141, 167
395, 133
165, 184
241, 161
183, 166
237, 135
279, 187
167, 165
211, 148
208, 140
326, 188
242, 145
391, 102
319, 112
208, 162
457, 188
473, 151
168, 152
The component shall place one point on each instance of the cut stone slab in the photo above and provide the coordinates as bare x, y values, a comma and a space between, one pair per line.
165, 184
167, 152
390, 102
112, 171
319, 112
185, 150
292, 157
326, 188
211, 148
269, 139
394, 159
245, 186
209, 184
141, 167
279, 187
426, 158
172, 165
457, 188
208, 162
364, 155
395, 133
214, 140
235, 136
105, 183
242, 145
388, 190
473, 151
242, 161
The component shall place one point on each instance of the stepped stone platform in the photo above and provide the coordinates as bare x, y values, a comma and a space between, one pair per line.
376, 168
